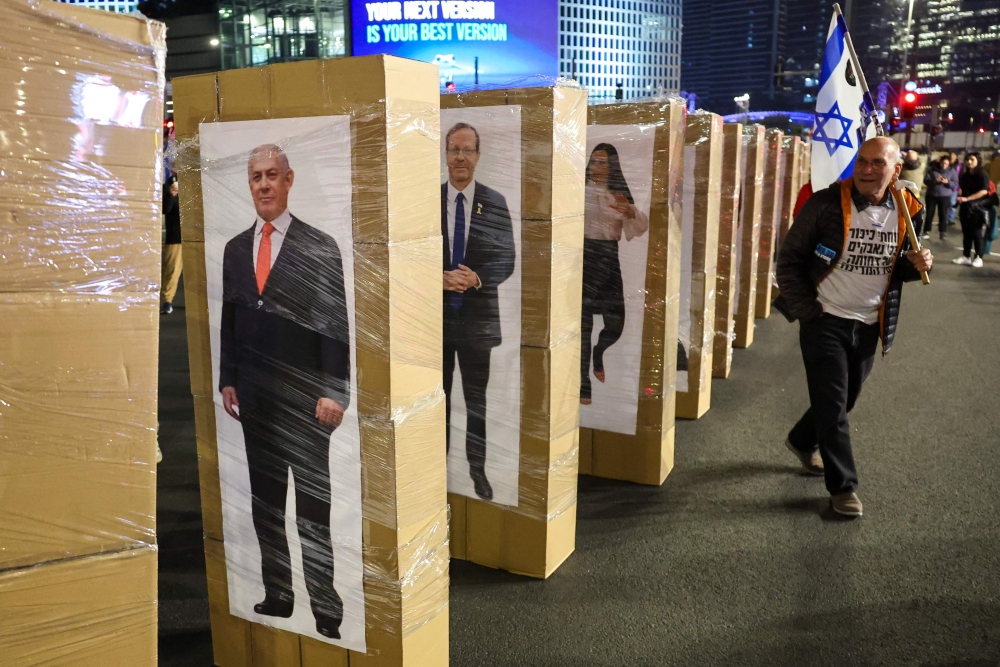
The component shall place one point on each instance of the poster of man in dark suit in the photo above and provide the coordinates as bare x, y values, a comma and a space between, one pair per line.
284, 375
479, 255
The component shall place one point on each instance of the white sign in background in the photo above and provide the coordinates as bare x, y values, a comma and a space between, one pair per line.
615, 402
319, 152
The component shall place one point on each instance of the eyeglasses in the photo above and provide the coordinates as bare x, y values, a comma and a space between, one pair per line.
464, 152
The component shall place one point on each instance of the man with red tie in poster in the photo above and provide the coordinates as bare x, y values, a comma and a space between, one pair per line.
479, 256
285, 376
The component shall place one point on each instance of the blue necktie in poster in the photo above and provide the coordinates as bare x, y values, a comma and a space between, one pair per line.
458, 252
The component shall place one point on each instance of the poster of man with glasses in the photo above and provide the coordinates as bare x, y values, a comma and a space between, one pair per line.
480, 229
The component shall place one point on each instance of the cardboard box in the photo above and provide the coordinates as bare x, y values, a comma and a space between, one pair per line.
540, 533
394, 109
81, 126
647, 457
770, 217
702, 194
791, 154
745, 295
93, 611
727, 269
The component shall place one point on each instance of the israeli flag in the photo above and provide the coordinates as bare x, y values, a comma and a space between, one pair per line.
843, 112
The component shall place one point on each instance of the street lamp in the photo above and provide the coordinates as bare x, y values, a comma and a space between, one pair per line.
743, 104
214, 41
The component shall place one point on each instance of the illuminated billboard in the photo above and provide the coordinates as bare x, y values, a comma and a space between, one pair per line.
497, 40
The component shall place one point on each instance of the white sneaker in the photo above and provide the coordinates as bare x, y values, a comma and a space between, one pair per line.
926, 236
962, 261
977, 263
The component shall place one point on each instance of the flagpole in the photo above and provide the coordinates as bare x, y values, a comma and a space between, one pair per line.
880, 131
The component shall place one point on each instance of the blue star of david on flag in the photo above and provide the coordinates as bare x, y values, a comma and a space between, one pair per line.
841, 129
843, 112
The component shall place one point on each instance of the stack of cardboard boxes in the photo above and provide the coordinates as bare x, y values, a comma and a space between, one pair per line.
727, 270
648, 456
791, 182
80, 121
535, 537
770, 216
750, 213
702, 190
393, 105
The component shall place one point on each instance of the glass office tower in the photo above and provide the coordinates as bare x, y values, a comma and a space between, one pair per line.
604, 43
260, 32
117, 6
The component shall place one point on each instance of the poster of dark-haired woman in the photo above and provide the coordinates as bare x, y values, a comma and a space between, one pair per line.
616, 242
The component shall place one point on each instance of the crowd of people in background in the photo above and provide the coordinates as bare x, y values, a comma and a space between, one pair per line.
950, 189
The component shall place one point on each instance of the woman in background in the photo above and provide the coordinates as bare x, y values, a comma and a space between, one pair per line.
973, 212
610, 211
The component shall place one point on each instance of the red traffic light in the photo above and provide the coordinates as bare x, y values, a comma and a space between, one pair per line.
910, 97
450, 85
169, 124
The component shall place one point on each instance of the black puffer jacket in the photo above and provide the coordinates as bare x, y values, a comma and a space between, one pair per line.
813, 246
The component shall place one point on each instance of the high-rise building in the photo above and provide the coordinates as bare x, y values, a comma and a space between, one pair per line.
259, 32
118, 6
634, 44
806, 25
878, 30
958, 42
730, 48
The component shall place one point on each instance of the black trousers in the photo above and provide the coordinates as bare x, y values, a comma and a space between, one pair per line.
838, 355
474, 363
973, 219
604, 295
277, 440
941, 206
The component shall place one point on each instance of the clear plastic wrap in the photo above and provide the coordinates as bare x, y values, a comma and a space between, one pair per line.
80, 149
312, 253
512, 162
770, 218
632, 283
727, 270
699, 257
745, 291
790, 155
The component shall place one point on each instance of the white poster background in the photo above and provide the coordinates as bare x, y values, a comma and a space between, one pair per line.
499, 168
687, 254
615, 402
319, 152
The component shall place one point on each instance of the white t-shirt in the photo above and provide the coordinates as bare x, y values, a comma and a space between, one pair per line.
855, 287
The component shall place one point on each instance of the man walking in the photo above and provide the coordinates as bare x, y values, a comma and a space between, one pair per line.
840, 272
478, 256
285, 376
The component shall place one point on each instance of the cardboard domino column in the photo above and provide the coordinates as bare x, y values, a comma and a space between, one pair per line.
770, 218
627, 432
80, 148
791, 154
727, 270
699, 256
366, 130
745, 293
534, 529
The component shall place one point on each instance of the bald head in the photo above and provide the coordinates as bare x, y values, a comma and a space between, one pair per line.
270, 180
877, 165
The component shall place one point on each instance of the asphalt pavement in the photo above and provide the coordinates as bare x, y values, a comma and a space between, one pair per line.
736, 559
